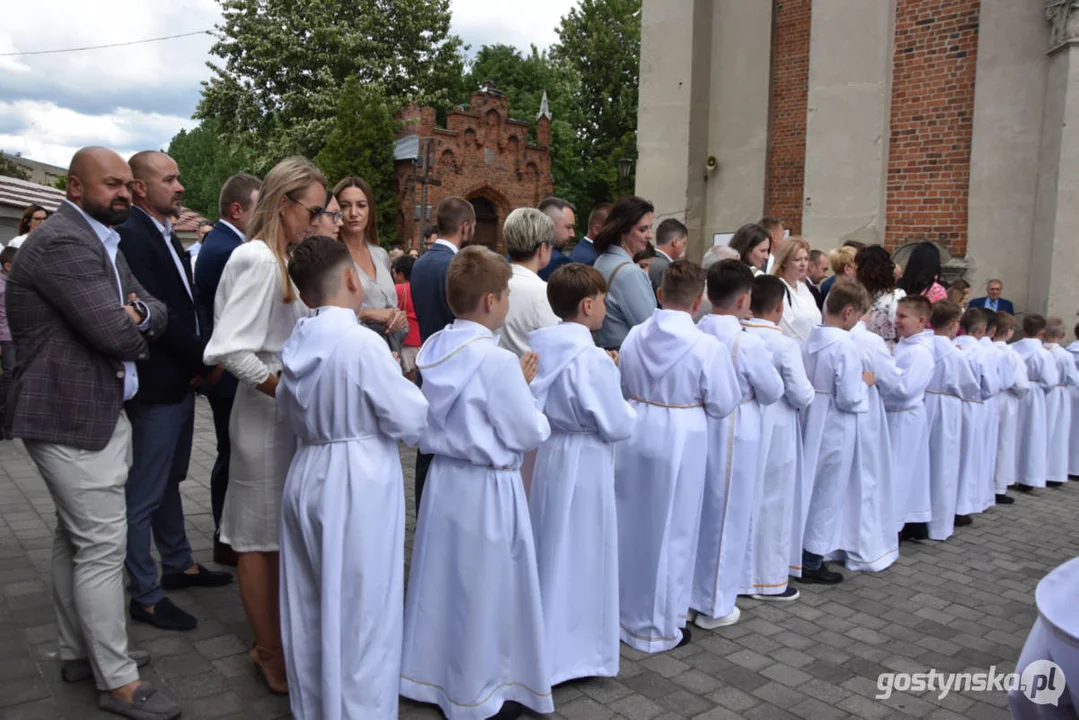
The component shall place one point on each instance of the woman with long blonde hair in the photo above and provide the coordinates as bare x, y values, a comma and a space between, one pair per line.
255, 310
800, 311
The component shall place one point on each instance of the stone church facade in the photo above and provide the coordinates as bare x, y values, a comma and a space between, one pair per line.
481, 155
887, 121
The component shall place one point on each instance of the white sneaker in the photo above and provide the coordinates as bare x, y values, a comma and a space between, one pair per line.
786, 596
703, 621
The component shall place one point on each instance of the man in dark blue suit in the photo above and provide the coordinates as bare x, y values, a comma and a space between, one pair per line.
561, 214
456, 223
238, 197
993, 300
163, 411
585, 251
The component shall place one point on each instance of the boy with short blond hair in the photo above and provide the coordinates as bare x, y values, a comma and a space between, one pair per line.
474, 551
830, 424
980, 417
676, 378
1058, 404
1043, 375
572, 501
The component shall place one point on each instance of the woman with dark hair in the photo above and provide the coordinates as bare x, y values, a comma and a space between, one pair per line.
921, 276
359, 232
876, 271
32, 216
753, 242
630, 298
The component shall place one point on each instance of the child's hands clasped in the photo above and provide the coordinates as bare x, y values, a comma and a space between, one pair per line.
530, 366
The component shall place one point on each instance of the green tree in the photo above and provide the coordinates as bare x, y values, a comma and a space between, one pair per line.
10, 167
361, 143
206, 160
61, 182
599, 50
284, 62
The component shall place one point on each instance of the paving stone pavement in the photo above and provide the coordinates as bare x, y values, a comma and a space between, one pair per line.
963, 605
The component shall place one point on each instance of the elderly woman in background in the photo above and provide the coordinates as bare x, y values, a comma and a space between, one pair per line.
630, 298
753, 242
528, 234
921, 276
32, 216
876, 272
255, 310
800, 311
715, 254
359, 232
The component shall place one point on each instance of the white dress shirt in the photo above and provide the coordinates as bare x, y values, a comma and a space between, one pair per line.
111, 240
447, 243
529, 310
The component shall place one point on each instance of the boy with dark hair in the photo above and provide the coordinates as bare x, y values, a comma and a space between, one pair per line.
1058, 404
572, 504
343, 512
830, 425
676, 378
1008, 401
780, 513
733, 479
1033, 424
474, 551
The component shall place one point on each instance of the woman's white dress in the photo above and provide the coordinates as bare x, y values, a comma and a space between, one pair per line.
800, 312
251, 323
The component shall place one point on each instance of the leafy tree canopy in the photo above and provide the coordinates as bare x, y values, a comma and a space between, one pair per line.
206, 160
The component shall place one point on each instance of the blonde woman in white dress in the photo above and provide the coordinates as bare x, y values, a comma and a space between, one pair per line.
800, 311
255, 310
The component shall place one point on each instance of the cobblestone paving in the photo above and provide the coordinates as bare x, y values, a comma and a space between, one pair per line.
964, 605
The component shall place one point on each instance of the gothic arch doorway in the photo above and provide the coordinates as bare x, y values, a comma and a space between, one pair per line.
486, 223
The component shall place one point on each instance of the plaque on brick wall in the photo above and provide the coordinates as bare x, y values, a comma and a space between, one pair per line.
489, 156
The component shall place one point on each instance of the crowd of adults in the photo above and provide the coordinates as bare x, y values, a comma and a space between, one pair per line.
115, 333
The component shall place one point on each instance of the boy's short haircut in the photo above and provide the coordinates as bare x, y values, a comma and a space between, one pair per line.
1054, 327
526, 231
841, 257
945, 312
1033, 325
570, 284
648, 253
8, 255
314, 266
768, 291
404, 265
972, 319
683, 283
728, 279
847, 292
473, 273
1005, 322
919, 304
992, 322
670, 230
1076, 330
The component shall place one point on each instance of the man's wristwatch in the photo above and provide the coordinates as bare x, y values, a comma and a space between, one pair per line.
141, 309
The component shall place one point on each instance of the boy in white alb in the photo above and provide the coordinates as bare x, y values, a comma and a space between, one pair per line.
979, 419
908, 423
833, 364
343, 512
1006, 376
779, 514
1043, 375
732, 483
579, 389
1073, 442
1004, 471
1058, 406
677, 378
474, 635
952, 382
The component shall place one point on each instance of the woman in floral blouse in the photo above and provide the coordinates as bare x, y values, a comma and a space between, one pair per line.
876, 272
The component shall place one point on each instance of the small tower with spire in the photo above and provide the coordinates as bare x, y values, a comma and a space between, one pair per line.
543, 122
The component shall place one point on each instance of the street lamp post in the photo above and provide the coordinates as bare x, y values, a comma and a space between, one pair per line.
624, 167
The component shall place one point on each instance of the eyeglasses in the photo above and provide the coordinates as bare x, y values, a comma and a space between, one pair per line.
313, 212
335, 216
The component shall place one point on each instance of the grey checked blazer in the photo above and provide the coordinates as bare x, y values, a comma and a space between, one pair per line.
71, 334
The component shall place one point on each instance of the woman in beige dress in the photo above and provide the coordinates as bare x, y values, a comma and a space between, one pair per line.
255, 310
359, 232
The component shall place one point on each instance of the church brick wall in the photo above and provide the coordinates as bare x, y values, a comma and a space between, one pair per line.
936, 44
789, 105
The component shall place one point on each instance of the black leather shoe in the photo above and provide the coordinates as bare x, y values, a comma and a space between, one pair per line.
165, 616
1053, 483
914, 531
687, 636
963, 520
1024, 488
821, 576
510, 711
202, 578
1003, 499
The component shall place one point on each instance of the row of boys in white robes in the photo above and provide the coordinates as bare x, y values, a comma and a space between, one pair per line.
647, 496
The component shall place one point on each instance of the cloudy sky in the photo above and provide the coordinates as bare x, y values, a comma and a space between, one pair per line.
138, 97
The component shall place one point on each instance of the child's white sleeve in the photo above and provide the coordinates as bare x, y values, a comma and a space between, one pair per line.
600, 397
763, 376
720, 390
513, 410
799, 390
399, 405
850, 388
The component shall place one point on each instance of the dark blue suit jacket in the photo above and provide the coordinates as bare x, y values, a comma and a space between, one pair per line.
176, 354
216, 250
558, 259
1002, 304
584, 252
429, 290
